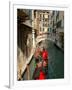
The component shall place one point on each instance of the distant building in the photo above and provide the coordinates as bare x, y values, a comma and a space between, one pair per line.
41, 21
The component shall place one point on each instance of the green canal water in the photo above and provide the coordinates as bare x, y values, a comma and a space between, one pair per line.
55, 62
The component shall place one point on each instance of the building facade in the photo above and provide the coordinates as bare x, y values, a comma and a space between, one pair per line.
24, 40
57, 19
41, 21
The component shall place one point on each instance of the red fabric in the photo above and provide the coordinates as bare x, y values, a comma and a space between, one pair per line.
42, 75
45, 55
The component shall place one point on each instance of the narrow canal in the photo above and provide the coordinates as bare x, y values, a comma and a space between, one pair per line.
55, 62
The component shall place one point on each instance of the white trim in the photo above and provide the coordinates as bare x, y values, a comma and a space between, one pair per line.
13, 45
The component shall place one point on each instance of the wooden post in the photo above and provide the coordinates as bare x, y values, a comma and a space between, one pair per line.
33, 31
28, 72
20, 75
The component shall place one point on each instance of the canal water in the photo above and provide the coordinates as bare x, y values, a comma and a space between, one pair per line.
55, 62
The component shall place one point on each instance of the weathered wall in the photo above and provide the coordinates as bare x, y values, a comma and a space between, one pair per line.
24, 46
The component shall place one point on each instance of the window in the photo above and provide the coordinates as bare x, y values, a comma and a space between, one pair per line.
43, 29
46, 19
59, 24
35, 14
40, 17
57, 16
45, 24
43, 17
40, 28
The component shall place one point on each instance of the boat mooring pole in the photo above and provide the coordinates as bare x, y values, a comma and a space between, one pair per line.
28, 72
